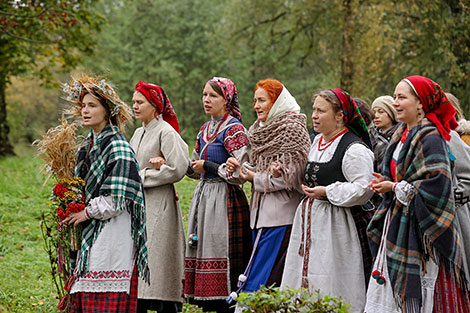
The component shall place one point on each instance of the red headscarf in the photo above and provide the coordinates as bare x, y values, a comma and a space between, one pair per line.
158, 99
352, 116
230, 94
436, 106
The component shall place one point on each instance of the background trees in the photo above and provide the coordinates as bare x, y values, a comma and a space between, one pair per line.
37, 37
365, 47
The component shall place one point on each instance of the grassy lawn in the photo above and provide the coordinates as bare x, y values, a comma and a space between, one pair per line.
25, 282
26, 285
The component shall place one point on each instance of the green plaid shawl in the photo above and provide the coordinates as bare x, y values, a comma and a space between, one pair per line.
109, 168
426, 227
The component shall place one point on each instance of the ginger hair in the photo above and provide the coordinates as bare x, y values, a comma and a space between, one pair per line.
273, 88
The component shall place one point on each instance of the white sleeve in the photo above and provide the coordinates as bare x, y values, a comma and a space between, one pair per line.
234, 178
357, 167
101, 208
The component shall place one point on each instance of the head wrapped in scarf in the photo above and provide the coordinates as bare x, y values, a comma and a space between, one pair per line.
436, 106
229, 92
281, 99
352, 116
157, 97
120, 113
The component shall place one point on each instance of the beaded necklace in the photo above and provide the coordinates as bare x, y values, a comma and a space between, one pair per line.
323, 146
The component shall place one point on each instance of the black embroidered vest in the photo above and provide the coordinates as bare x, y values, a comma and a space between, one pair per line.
324, 174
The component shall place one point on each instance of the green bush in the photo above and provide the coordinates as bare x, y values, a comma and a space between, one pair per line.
273, 299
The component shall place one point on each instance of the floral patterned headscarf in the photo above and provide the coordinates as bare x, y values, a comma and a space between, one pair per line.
352, 116
230, 94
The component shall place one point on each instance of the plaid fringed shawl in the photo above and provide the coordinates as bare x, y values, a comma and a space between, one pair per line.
426, 227
109, 168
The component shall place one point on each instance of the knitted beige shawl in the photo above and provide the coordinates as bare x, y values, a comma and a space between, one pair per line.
285, 141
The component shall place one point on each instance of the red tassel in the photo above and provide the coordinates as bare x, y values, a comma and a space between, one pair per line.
375, 274
381, 280
301, 249
304, 282
63, 302
69, 283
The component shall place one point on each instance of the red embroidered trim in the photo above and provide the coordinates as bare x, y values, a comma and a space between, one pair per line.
206, 278
114, 274
235, 138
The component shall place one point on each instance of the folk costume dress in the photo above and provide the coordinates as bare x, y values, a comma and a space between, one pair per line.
414, 234
461, 187
328, 248
219, 213
283, 139
105, 277
165, 228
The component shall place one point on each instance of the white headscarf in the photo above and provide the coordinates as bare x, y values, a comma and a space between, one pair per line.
284, 103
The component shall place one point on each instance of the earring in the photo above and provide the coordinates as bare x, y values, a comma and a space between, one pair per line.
338, 125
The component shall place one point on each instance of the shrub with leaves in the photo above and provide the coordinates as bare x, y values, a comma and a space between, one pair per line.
274, 299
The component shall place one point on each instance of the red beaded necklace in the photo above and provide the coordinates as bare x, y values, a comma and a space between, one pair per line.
323, 146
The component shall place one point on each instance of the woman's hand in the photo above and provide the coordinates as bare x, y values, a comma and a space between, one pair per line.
379, 184
231, 164
247, 174
198, 166
276, 170
157, 162
318, 192
75, 218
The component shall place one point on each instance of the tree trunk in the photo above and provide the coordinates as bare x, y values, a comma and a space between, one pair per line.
5, 147
347, 63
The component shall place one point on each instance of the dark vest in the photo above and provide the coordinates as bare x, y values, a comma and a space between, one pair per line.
324, 174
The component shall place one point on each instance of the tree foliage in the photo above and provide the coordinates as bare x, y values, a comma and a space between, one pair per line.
364, 47
35, 36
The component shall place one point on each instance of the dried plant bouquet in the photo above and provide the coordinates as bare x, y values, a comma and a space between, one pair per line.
58, 148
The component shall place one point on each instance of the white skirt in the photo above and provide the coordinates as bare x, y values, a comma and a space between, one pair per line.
335, 264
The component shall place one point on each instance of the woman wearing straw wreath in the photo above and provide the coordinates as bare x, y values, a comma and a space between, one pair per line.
113, 251
163, 159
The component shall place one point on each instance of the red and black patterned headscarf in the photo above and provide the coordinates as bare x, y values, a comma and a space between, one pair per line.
436, 106
352, 116
159, 100
230, 94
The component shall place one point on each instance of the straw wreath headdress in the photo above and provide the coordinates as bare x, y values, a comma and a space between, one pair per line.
77, 88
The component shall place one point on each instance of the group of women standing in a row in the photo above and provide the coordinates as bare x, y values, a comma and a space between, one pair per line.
310, 214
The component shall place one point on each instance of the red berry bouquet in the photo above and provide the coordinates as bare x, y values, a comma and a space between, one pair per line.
69, 197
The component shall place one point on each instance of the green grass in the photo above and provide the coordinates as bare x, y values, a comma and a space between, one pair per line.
26, 284
25, 281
